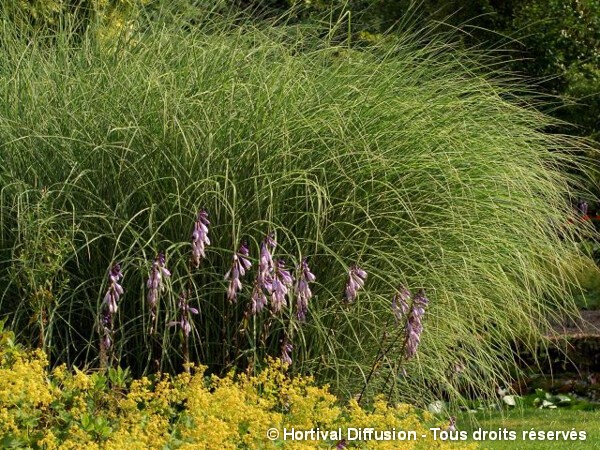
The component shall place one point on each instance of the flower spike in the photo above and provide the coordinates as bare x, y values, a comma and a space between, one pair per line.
303, 292
155, 285
184, 315
200, 237
239, 266
282, 281
414, 326
356, 280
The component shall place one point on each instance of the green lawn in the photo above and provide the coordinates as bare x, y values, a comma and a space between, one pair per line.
539, 420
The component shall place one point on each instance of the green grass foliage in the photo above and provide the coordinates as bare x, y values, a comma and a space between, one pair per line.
405, 156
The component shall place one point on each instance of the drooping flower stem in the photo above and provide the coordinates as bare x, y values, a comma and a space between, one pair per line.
199, 241
391, 378
410, 332
414, 326
155, 286
262, 287
356, 281
185, 324
108, 313
239, 265
303, 292
200, 238
376, 362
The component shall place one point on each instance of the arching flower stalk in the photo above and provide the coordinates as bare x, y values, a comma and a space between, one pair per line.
282, 281
106, 325
258, 299
239, 266
184, 323
155, 286
414, 326
114, 289
400, 305
109, 310
265, 265
303, 292
410, 334
200, 238
356, 280
263, 285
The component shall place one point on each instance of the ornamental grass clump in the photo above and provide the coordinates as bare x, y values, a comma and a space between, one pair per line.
408, 155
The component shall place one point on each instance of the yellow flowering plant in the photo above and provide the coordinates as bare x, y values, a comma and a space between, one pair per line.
63, 409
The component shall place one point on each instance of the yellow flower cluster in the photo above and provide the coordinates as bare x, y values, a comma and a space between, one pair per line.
64, 410
24, 392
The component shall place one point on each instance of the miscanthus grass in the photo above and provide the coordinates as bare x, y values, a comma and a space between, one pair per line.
407, 159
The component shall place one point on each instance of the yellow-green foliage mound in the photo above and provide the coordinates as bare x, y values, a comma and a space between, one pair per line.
60, 409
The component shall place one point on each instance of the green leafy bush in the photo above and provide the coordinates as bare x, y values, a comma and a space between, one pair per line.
562, 41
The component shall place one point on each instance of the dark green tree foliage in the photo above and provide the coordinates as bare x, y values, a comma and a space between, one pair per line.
48, 14
562, 43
